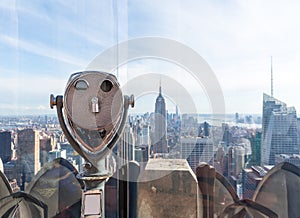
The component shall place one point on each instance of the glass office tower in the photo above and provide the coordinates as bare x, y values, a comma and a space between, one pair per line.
279, 130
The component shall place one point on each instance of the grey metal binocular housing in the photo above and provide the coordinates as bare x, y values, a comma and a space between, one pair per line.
92, 113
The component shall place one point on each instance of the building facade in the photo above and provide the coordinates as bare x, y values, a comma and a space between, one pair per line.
160, 144
255, 141
28, 155
5, 146
239, 160
125, 147
279, 130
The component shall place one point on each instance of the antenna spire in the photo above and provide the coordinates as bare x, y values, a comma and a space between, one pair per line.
271, 77
160, 86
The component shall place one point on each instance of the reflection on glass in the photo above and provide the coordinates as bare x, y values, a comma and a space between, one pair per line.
57, 186
224, 193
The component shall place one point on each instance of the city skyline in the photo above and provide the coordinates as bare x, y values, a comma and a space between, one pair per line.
42, 44
230, 153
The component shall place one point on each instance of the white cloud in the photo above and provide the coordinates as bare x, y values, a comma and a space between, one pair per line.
30, 94
235, 37
42, 50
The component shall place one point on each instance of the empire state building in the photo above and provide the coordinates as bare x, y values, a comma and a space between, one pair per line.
160, 123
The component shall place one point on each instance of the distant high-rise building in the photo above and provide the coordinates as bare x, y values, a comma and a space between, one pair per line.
70, 152
237, 118
146, 141
45, 147
196, 150
218, 159
160, 125
141, 155
279, 130
239, 160
126, 145
5, 146
236, 161
56, 154
28, 155
227, 135
230, 163
255, 140
206, 129
203, 129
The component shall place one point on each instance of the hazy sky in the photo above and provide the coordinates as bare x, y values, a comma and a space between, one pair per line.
43, 42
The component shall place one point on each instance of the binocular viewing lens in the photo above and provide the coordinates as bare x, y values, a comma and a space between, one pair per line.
93, 108
81, 85
106, 86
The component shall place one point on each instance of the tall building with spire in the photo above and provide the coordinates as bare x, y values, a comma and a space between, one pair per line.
160, 125
279, 130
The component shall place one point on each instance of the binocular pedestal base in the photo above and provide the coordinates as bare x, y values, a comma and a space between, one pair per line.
93, 196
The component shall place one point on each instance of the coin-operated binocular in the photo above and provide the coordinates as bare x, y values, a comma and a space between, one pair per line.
92, 115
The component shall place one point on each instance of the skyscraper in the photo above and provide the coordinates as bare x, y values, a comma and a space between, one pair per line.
28, 154
255, 140
45, 147
239, 160
160, 123
5, 146
279, 130
145, 136
126, 145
